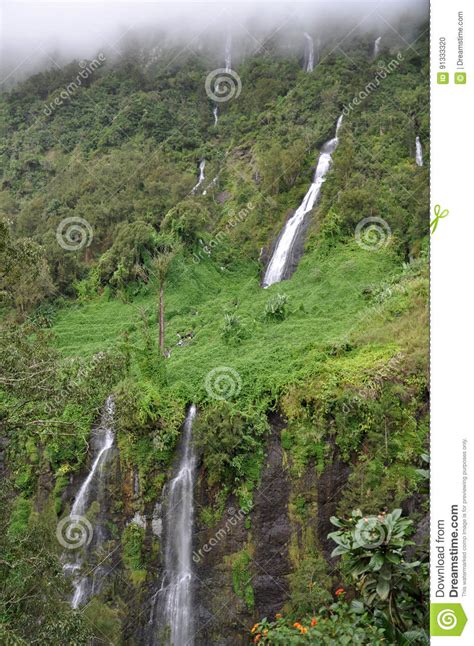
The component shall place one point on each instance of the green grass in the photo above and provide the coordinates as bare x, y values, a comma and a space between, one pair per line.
326, 301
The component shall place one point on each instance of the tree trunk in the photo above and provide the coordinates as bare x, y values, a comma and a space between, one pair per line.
162, 319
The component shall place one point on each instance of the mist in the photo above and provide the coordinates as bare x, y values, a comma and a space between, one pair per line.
37, 35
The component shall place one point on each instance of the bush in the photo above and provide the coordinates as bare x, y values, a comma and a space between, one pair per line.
338, 624
275, 309
232, 330
373, 550
132, 544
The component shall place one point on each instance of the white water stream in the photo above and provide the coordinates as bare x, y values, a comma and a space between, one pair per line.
175, 595
104, 440
308, 53
202, 166
377, 46
282, 254
419, 152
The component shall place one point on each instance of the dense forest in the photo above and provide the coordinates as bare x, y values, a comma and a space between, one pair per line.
138, 216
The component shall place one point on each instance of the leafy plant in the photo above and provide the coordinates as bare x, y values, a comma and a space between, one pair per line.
373, 550
338, 623
232, 330
276, 307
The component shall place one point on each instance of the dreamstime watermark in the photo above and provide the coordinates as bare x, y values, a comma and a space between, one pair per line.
74, 233
74, 532
234, 518
223, 383
87, 68
373, 85
221, 236
223, 84
372, 234
371, 532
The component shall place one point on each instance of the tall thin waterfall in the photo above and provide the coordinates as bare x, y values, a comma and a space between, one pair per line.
202, 166
175, 596
228, 53
309, 53
228, 66
103, 439
377, 46
278, 266
419, 152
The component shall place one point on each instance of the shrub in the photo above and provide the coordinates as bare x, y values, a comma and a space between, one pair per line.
337, 624
276, 307
232, 331
373, 550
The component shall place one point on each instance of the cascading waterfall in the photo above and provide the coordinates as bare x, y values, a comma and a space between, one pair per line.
419, 152
228, 53
202, 166
103, 440
377, 46
277, 268
211, 184
309, 53
174, 599
228, 64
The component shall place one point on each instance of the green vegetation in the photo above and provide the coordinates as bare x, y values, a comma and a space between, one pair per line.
373, 556
167, 289
338, 623
242, 577
132, 545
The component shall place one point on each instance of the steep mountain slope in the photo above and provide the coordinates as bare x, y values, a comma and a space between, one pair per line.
319, 403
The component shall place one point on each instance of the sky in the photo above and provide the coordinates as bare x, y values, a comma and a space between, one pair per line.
64, 29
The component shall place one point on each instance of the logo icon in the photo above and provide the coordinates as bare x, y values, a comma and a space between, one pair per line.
223, 383
74, 531
372, 233
443, 78
460, 78
74, 233
438, 215
447, 619
223, 84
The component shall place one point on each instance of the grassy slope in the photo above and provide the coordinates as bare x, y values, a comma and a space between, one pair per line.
326, 300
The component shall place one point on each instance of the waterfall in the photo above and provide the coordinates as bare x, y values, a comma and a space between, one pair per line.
228, 53
277, 269
175, 596
211, 184
377, 46
202, 166
309, 53
228, 64
103, 439
419, 152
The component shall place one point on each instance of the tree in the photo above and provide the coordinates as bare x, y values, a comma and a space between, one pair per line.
25, 279
160, 267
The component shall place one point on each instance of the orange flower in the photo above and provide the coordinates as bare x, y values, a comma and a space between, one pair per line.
296, 625
254, 628
257, 638
339, 591
265, 632
303, 630
278, 615
314, 621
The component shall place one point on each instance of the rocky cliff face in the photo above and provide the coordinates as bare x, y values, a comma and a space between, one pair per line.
249, 564
272, 538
